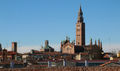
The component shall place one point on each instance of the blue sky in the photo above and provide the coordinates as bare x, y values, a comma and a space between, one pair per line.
31, 22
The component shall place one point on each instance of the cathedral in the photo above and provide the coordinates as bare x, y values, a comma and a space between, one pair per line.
93, 51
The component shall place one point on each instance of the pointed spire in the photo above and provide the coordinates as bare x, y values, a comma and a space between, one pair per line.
98, 42
95, 42
101, 44
91, 41
80, 15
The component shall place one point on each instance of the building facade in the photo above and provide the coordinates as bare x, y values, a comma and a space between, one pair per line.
67, 46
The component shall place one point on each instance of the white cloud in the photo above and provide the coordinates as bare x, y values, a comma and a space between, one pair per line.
111, 47
24, 49
56, 47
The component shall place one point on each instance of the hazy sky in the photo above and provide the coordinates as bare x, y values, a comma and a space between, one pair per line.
31, 22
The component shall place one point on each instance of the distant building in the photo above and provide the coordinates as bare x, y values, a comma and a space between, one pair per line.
7, 55
94, 51
47, 48
14, 46
70, 47
4, 55
0, 47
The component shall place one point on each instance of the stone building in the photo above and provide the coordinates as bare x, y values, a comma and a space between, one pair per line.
70, 47
67, 46
93, 51
47, 48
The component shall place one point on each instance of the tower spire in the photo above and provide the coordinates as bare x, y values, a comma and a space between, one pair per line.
80, 15
98, 42
80, 29
91, 41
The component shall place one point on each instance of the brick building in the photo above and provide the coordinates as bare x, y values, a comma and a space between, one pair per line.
94, 51
14, 47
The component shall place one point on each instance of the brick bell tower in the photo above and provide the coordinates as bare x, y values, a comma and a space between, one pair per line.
80, 29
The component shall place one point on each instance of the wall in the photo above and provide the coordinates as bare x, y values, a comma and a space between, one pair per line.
68, 69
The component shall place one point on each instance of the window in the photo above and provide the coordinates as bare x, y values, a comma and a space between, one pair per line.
78, 35
68, 48
78, 29
78, 25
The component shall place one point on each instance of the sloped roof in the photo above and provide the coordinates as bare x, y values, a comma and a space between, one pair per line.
111, 63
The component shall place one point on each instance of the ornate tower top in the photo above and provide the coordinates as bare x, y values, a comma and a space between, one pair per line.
80, 15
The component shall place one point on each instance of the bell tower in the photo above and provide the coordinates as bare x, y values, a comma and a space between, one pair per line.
80, 29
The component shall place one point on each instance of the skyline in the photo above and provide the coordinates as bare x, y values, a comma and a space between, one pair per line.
30, 22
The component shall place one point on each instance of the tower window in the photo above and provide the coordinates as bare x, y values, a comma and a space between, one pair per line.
78, 35
78, 25
78, 29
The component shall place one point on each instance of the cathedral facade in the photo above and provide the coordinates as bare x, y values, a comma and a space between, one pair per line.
91, 50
